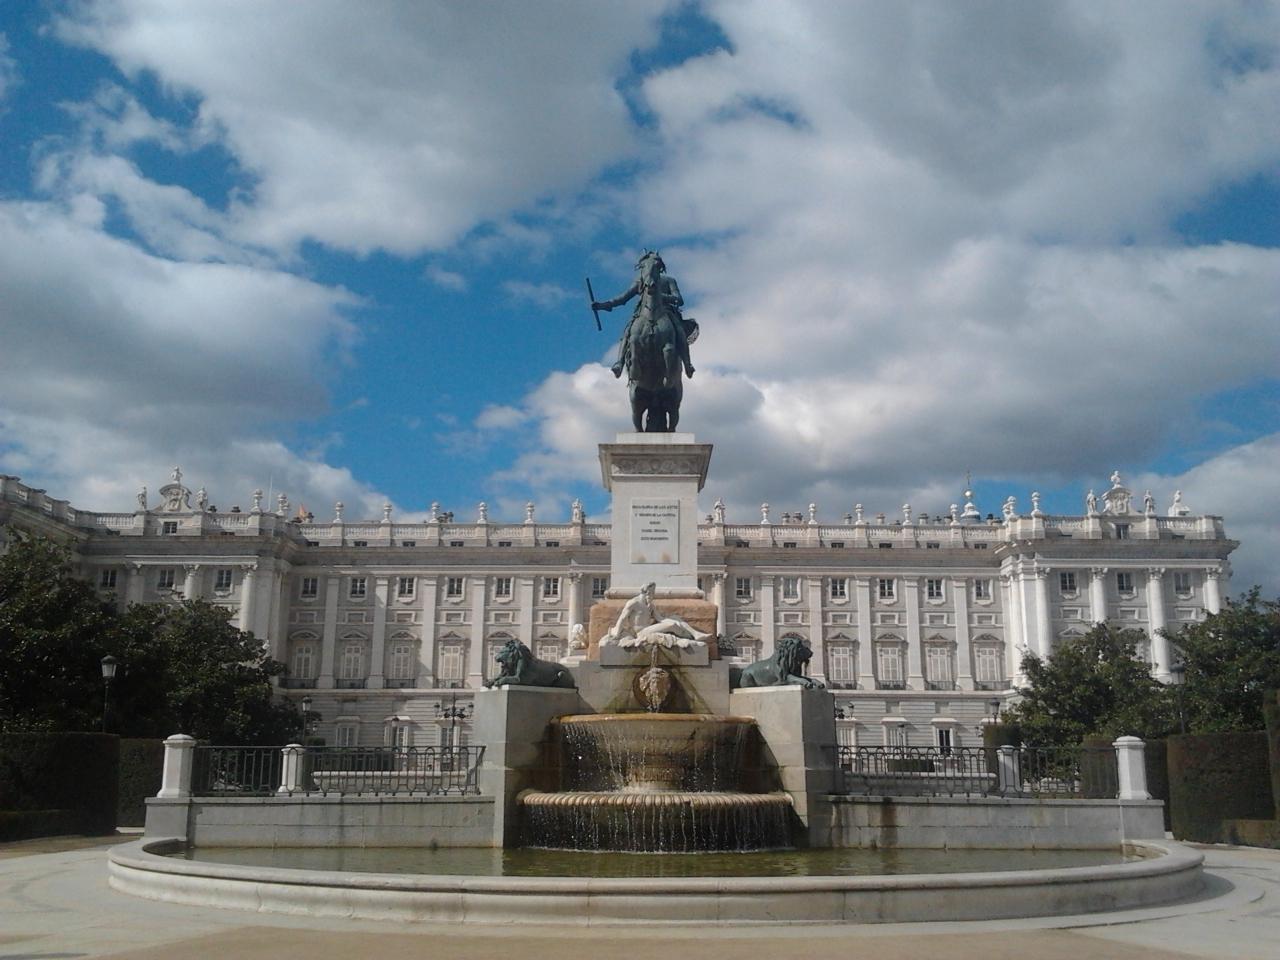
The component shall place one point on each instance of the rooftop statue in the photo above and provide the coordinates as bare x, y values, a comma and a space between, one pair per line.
641, 625
654, 346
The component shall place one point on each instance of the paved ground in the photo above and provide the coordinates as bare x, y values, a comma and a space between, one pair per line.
55, 903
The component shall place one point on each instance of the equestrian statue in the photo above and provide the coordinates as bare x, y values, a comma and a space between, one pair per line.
654, 347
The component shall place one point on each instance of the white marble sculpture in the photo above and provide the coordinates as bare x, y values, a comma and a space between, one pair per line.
641, 625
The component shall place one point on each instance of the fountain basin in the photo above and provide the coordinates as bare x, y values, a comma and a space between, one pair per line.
1168, 872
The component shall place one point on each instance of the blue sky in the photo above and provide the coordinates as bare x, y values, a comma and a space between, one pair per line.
340, 250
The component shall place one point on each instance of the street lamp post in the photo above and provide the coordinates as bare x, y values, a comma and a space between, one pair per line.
109, 665
1179, 671
454, 714
306, 717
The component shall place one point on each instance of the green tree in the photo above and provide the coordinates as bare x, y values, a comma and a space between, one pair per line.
1095, 685
183, 668
189, 670
54, 631
1230, 659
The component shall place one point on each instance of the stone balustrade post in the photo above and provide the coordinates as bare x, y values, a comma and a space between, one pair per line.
1008, 781
1132, 768
179, 762
291, 769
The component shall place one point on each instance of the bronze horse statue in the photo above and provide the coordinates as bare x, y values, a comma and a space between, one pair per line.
654, 347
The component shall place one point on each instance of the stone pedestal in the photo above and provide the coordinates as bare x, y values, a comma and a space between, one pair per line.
798, 727
654, 479
610, 687
513, 724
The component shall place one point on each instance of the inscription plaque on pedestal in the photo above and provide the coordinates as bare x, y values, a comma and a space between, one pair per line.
655, 531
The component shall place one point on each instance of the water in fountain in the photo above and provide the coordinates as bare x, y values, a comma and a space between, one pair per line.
655, 782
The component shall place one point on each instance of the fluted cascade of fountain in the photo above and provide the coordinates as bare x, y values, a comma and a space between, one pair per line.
656, 782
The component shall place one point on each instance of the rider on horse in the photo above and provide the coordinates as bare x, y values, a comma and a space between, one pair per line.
651, 270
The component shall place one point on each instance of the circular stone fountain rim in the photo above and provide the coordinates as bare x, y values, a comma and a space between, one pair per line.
144, 869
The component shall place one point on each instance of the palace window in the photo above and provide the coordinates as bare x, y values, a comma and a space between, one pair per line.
303, 662
895, 734
453, 587
548, 650
502, 588
1122, 531
346, 734
310, 587
982, 589
550, 588
359, 543
169, 527
107, 580
599, 586
839, 588
359, 588
351, 665
837, 544
885, 546
1124, 582
1181, 583
457, 543
938, 664
408, 543
944, 741
790, 588
933, 545
164, 579
1067, 581
979, 546
551, 543
889, 664
742, 588
884, 588
405, 587
402, 661
222, 580
988, 663
840, 664
449, 669
504, 543
933, 589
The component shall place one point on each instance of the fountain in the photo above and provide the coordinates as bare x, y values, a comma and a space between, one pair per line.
656, 782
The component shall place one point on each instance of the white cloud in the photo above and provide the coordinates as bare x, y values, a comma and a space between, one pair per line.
541, 295
446, 279
384, 125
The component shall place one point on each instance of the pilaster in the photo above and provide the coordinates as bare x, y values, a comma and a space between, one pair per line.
915, 645
329, 644
378, 650
866, 642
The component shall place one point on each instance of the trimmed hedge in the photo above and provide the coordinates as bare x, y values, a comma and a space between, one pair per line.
1215, 778
60, 782
141, 763
1271, 714
1156, 760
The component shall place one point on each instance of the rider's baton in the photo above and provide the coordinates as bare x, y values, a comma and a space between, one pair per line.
594, 311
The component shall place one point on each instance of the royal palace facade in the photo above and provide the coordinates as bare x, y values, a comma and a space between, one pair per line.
918, 623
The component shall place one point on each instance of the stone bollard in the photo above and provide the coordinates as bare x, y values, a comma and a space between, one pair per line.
1132, 768
1007, 771
179, 760
291, 769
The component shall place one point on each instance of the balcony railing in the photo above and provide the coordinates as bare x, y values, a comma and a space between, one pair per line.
350, 683
390, 682
298, 683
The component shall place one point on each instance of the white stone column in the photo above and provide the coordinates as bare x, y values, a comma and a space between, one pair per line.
964, 653
818, 665
1015, 638
430, 598
866, 642
179, 761
1132, 768
1161, 656
291, 768
378, 650
575, 598
191, 582
717, 597
768, 627
136, 588
475, 669
915, 646
329, 640
248, 598
278, 623
1098, 593
1044, 630
1213, 590
526, 615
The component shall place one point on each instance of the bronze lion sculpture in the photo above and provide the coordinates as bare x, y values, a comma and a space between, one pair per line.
786, 666
521, 668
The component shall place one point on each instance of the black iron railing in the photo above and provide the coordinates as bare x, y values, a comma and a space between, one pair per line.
1042, 772
236, 771
425, 771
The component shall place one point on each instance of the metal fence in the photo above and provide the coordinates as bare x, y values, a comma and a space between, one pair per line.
1041, 772
425, 771
346, 771
236, 771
